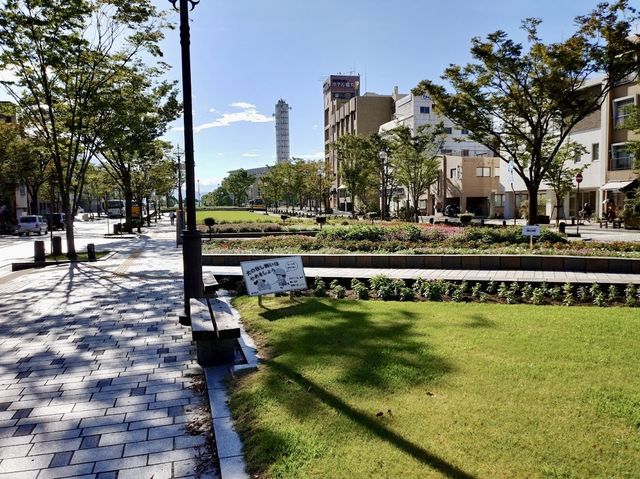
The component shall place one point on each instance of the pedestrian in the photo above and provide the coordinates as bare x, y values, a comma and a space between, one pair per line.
172, 216
586, 212
611, 212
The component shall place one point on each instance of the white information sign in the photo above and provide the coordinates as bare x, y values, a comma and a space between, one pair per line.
533, 230
273, 275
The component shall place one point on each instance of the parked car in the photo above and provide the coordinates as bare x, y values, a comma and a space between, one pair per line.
57, 221
31, 224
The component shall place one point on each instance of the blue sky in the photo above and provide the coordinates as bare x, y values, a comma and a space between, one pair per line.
247, 54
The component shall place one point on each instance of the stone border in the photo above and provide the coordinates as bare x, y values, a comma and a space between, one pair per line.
583, 264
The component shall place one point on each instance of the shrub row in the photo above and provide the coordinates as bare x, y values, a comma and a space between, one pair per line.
393, 289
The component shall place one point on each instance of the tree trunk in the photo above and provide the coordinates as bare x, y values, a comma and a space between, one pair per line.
532, 213
68, 218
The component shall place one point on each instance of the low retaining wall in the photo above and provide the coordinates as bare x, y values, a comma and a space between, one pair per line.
581, 264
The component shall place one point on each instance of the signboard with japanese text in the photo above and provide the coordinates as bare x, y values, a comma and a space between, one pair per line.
273, 275
533, 230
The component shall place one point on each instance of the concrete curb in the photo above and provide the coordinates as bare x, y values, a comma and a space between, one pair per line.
32, 265
228, 443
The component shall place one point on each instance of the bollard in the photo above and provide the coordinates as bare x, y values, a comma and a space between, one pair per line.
482, 222
573, 221
38, 252
56, 246
561, 227
91, 252
504, 222
431, 220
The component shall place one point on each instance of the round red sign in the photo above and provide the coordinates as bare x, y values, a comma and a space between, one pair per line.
579, 178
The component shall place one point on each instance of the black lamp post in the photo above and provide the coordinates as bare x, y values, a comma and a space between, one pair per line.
191, 242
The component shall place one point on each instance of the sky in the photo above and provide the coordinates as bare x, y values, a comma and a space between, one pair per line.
248, 54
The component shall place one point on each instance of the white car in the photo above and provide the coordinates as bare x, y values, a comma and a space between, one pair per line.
31, 224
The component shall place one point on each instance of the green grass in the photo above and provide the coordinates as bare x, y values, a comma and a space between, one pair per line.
358, 389
234, 217
81, 256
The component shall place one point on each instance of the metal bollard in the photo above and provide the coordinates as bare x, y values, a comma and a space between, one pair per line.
504, 222
38, 252
561, 227
91, 252
56, 246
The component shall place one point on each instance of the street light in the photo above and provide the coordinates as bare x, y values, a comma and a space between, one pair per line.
191, 244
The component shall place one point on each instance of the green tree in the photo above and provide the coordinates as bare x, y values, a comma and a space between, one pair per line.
141, 112
415, 160
272, 185
524, 102
357, 157
65, 56
236, 184
387, 181
560, 176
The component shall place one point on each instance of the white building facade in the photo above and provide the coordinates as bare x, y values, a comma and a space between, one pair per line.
282, 131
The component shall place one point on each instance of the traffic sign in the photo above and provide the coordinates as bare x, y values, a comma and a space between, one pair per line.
579, 178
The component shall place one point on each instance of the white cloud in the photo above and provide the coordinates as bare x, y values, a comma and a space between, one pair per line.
314, 127
250, 154
211, 110
244, 105
318, 155
248, 114
210, 182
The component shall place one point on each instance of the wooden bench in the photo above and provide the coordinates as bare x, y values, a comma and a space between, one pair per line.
617, 223
209, 283
215, 331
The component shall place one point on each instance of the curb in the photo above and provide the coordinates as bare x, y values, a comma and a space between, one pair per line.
32, 265
228, 443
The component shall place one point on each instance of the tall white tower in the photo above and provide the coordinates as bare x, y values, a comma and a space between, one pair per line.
282, 131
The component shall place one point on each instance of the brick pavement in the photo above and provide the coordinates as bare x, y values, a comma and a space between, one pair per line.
95, 371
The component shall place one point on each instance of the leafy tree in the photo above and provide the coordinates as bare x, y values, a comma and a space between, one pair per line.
272, 185
357, 157
415, 160
387, 181
632, 122
524, 102
65, 56
560, 176
141, 112
236, 185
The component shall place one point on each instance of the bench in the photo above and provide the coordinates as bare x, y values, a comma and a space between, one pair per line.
215, 331
616, 223
209, 283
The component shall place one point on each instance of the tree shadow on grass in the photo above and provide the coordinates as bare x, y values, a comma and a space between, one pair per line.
479, 321
371, 424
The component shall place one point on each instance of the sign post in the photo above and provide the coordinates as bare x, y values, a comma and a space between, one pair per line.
578, 202
531, 231
273, 275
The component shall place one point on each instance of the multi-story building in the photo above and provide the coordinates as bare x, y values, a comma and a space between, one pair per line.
282, 131
348, 112
608, 174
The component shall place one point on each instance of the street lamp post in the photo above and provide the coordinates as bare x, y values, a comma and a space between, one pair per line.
191, 244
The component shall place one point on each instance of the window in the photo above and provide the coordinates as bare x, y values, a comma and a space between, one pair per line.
483, 171
621, 110
453, 173
595, 152
448, 130
464, 131
465, 152
424, 109
621, 158
498, 200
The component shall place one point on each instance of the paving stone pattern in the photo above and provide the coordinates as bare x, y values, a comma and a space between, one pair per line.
95, 371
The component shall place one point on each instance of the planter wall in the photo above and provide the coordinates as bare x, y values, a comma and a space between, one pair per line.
480, 262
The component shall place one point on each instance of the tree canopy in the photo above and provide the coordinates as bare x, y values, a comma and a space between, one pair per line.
523, 101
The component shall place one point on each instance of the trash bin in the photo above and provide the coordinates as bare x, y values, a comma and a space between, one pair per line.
38, 252
116, 229
56, 245
561, 227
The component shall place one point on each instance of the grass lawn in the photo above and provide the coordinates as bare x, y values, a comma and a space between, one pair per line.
357, 389
234, 217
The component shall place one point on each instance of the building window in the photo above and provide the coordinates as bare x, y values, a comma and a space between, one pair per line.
464, 131
453, 173
498, 200
483, 171
424, 109
621, 110
448, 130
465, 152
621, 158
595, 152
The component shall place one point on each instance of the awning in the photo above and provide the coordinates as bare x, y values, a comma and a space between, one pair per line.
617, 185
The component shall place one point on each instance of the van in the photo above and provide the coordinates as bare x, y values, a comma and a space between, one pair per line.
31, 224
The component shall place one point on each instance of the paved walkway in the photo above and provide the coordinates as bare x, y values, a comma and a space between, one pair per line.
455, 275
96, 372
